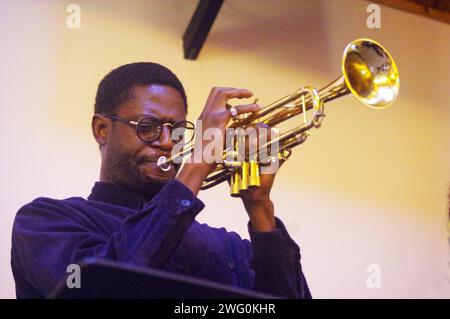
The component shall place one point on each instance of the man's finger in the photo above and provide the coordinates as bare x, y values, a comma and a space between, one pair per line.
246, 108
224, 93
238, 94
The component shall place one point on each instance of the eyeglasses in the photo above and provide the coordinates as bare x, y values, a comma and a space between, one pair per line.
149, 129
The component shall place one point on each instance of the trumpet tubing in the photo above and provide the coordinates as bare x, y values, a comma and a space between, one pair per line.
369, 73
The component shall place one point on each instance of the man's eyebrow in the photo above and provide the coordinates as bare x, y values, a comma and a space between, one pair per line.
142, 115
159, 119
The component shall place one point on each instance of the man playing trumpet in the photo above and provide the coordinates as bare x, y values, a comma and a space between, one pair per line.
141, 215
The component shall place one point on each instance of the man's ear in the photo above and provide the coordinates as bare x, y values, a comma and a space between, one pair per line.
101, 127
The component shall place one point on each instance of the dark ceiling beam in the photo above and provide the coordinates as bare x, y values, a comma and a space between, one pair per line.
434, 9
201, 22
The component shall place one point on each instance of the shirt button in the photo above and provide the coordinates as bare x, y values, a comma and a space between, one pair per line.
186, 202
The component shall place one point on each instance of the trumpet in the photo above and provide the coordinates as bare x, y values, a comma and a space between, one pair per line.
369, 73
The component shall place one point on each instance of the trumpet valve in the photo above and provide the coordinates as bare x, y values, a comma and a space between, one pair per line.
245, 175
235, 183
254, 180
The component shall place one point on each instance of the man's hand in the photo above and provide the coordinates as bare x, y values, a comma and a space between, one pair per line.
214, 115
257, 200
258, 205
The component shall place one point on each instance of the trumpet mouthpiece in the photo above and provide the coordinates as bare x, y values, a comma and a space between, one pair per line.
162, 163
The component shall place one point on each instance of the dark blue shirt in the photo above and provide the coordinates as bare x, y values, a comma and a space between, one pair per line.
162, 233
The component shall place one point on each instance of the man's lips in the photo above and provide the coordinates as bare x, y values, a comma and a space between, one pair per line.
153, 159
149, 161
153, 164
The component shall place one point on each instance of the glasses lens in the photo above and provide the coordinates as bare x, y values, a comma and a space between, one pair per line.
148, 129
183, 132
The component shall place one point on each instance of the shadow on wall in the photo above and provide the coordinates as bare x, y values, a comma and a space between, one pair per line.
288, 35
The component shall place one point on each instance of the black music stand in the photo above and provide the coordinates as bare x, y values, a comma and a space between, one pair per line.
105, 279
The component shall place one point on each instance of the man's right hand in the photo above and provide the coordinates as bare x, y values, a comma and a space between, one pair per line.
216, 115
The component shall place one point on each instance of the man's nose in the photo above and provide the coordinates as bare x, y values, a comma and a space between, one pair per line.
164, 141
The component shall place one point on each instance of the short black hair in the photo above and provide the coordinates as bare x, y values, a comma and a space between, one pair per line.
116, 87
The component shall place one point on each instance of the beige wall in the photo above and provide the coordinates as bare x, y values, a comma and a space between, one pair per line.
369, 187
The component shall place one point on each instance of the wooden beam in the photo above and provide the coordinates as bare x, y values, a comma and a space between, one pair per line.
199, 26
437, 9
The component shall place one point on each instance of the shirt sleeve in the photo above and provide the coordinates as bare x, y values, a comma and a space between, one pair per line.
276, 262
48, 235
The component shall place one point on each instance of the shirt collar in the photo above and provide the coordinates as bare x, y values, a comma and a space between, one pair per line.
115, 194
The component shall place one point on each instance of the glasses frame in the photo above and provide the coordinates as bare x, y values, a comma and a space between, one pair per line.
135, 125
